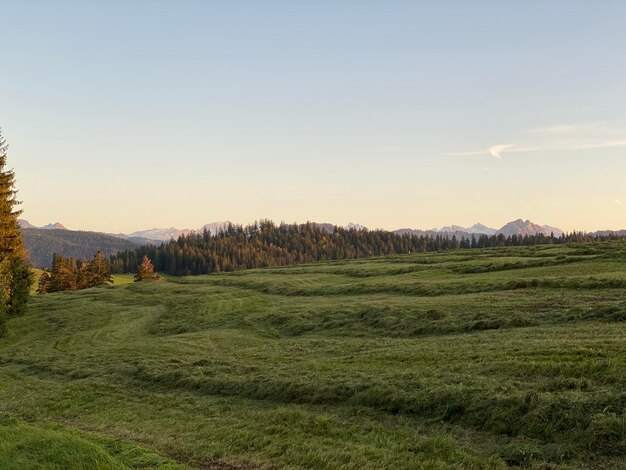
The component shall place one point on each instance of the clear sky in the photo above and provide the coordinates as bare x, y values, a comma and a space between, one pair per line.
127, 115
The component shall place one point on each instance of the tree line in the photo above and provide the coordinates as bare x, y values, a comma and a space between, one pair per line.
265, 244
67, 273
15, 274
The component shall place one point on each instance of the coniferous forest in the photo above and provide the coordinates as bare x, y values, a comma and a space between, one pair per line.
266, 244
42, 244
69, 274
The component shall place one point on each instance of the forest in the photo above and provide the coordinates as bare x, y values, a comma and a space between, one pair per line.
43, 244
266, 244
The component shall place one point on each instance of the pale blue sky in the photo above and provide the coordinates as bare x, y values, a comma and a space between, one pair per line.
124, 115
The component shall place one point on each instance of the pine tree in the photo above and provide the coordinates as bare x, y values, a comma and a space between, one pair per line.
44, 283
64, 274
11, 243
100, 270
21, 281
15, 275
145, 272
85, 275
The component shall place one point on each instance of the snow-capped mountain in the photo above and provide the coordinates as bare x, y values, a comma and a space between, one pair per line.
215, 227
162, 234
355, 226
516, 227
526, 227
157, 235
451, 228
166, 234
482, 229
477, 228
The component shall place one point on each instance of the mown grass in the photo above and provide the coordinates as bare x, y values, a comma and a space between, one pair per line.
508, 357
123, 279
26, 446
36, 276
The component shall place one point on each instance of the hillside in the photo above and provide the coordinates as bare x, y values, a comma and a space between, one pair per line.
486, 358
43, 243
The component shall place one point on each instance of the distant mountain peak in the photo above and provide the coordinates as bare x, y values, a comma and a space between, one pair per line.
25, 223
215, 227
526, 227
477, 228
166, 234
55, 226
355, 226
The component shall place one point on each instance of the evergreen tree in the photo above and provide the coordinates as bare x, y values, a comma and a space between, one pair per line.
21, 281
85, 276
44, 283
64, 274
100, 270
145, 271
69, 274
15, 277
11, 243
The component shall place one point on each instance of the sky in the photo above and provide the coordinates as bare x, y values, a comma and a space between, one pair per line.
124, 116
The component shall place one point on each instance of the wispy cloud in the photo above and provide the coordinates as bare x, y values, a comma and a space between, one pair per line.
600, 145
558, 138
496, 150
617, 201
580, 128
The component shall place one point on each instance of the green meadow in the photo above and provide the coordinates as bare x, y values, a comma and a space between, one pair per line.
511, 357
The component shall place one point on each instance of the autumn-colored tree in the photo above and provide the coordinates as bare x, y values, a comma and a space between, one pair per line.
145, 271
69, 274
64, 274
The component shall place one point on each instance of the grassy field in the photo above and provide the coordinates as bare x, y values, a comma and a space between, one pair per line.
122, 279
118, 280
508, 357
36, 276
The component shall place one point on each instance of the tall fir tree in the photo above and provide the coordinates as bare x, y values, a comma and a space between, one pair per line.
11, 243
100, 270
15, 275
44, 283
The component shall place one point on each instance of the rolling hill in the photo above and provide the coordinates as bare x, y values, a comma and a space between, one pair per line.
498, 358
43, 243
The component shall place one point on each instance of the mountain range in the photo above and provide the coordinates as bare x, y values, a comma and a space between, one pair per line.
42, 242
55, 226
518, 227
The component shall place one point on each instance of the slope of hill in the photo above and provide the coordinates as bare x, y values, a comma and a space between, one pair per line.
54, 446
484, 359
43, 243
